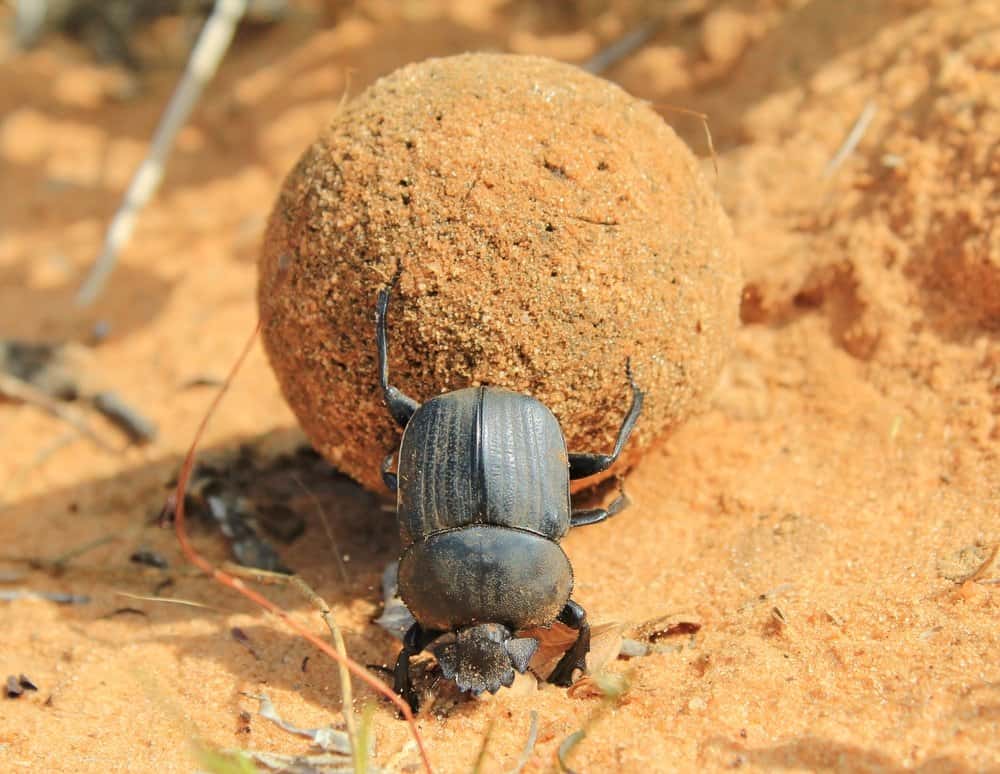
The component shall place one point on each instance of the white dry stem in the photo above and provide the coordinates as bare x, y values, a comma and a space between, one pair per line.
622, 48
853, 138
213, 42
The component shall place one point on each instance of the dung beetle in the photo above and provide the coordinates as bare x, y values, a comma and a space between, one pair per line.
483, 499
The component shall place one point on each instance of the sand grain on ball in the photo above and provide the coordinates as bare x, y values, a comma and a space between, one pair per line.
549, 226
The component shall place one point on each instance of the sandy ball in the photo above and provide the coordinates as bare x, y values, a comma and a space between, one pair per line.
549, 226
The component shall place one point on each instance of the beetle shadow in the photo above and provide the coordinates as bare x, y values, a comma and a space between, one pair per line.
122, 511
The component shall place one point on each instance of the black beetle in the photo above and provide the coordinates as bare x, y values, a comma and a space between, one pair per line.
482, 502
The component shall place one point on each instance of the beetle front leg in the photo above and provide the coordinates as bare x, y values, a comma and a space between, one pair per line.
583, 464
415, 640
401, 682
401, 406
575, 658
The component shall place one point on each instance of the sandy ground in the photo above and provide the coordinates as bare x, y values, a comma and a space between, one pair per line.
832, 521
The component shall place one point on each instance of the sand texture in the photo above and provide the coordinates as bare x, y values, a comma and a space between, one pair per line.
818, 538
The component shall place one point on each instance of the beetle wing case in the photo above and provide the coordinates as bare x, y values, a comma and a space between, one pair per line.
483, 455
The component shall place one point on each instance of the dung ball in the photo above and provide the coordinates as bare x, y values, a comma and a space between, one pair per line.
546, 226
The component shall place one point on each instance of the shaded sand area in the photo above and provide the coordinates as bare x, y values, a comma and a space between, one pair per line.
831, 519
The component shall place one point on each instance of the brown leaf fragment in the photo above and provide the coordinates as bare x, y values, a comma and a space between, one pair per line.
670, 625
585, 688
555, 640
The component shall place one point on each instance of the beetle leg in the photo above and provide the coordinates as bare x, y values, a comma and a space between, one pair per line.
391, 479
575, 658
583, 464
581, 517
401, 406
414, 641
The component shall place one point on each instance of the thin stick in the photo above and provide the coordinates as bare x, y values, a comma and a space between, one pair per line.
212, 45
853, 138
347, 695
237, 585
137, 427
17, 389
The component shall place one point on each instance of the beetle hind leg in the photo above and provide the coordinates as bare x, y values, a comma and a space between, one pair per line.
581, 517
583, 464
575, 658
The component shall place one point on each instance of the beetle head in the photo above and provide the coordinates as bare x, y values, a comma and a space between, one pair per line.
483, 657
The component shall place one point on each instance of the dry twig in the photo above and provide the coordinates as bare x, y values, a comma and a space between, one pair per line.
205, 58
17, 389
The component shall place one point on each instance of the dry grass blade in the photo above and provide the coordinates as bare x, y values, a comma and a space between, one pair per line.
484, 746
853, 138
166, 600
612, 687
234, 583
703, 117
66, 557
529, 745
230, 762
566, 747
347, 694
